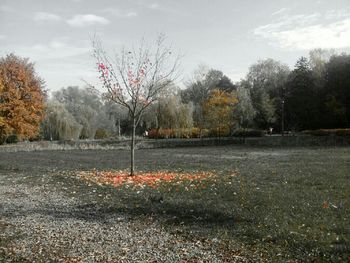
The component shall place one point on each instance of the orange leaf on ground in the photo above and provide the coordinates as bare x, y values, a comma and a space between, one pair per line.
151, 179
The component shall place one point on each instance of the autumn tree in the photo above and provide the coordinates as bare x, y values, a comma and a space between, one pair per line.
199, 89
218, 111
135, 77
21, 98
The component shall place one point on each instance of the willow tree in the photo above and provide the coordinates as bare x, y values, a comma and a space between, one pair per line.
135, 77
59, 123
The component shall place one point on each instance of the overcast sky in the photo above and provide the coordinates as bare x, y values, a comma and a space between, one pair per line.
228, 35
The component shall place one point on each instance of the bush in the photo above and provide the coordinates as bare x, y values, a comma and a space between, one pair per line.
222, 131
101, 134
166, 133
177, 133
195, 133
12, 139
36, 138
2, 138
248, 133
342, 132
153, 134
328, 132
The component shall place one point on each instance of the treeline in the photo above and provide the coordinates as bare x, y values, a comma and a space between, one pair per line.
315, 94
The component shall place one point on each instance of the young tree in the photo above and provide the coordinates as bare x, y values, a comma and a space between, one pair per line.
21, 98
135, 78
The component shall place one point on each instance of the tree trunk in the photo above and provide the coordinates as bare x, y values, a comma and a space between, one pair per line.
282, 118
132, 147
118, 128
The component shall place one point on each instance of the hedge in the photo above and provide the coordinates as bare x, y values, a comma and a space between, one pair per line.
328, 132
249, 133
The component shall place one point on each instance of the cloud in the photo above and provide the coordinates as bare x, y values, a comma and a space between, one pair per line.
120, 13
44, 16
280, 11
305, 32
55, 49
3, 37
87, 20
236, 75
154, 6
337, 14
6, 9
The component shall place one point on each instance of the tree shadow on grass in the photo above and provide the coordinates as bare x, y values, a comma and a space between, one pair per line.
164, 211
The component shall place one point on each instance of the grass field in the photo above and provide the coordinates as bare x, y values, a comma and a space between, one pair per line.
264, 204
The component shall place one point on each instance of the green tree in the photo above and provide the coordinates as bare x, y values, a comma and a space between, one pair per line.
266, 80
336, 95
302, 104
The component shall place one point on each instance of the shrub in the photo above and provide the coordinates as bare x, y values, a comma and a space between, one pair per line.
342, 132
328, 132
101, 134
179, 133
222, 131
317, 132
2, 138
195, 133
153, 134
248, 133
12, 139
166, 133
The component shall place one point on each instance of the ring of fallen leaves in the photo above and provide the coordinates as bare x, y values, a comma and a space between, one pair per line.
142, 179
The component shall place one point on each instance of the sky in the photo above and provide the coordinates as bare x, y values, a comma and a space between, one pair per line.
228, 35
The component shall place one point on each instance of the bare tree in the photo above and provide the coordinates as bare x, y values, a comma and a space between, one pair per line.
135, 77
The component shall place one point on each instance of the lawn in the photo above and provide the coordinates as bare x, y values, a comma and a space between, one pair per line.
261, 204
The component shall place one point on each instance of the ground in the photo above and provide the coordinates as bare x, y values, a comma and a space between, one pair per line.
265, 204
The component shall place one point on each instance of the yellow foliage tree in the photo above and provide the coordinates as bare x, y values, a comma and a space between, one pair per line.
218, 112
21, 98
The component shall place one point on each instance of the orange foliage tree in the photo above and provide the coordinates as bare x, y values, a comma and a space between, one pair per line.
21, 98
218, 111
